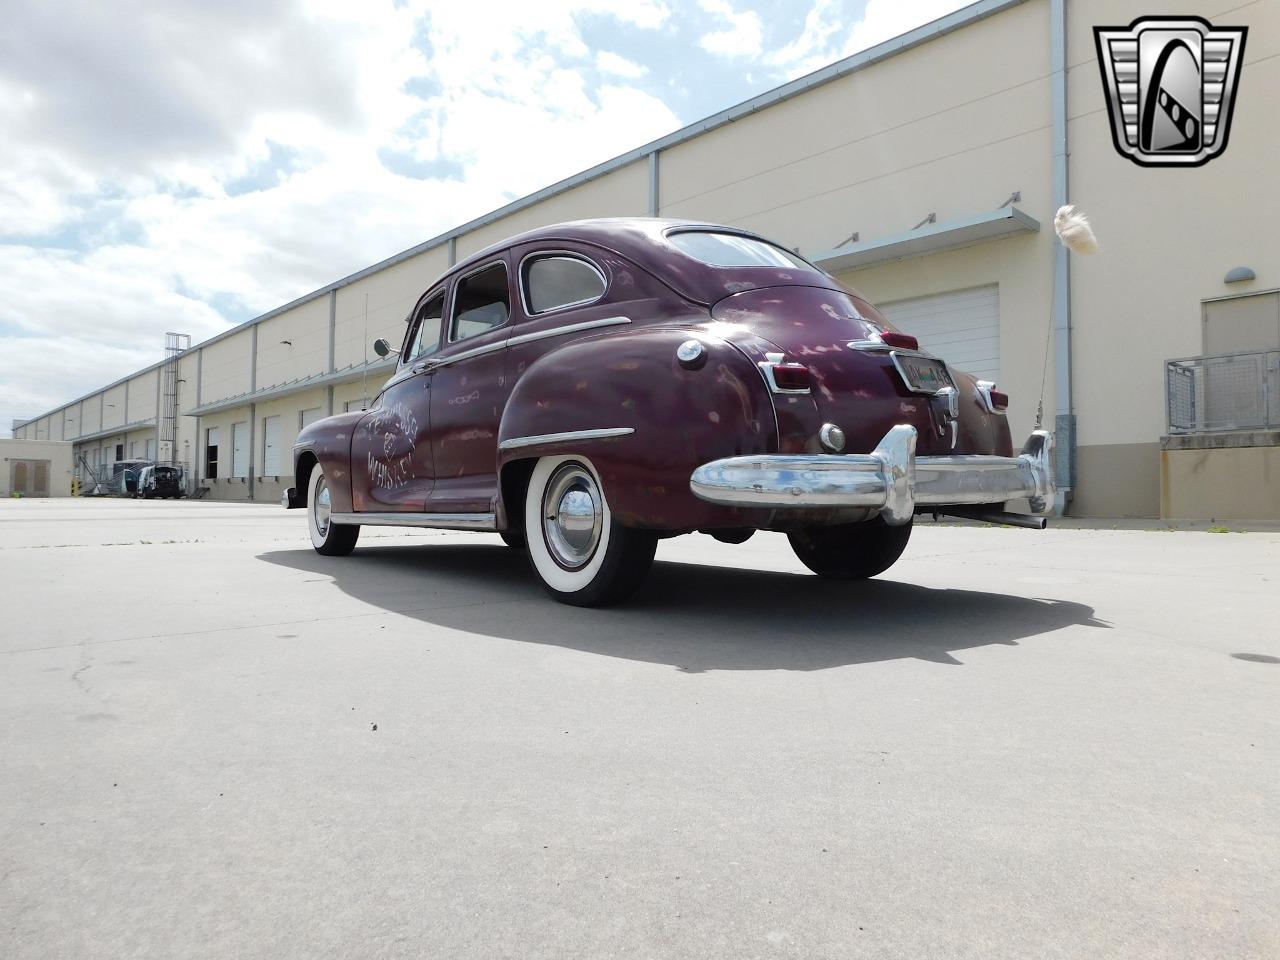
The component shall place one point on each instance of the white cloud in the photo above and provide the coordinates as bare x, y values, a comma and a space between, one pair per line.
224, 172
618, 66
743, 33
884, 19
647, 14
827, 34
183, 165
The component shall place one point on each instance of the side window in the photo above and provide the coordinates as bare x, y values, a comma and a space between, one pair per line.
481, 302
559, 281
426, 339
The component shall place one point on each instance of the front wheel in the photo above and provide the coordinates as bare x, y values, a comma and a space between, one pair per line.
581, 556
329, 538
851, 551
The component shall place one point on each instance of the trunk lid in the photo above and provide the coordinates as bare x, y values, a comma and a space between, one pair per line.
861, 391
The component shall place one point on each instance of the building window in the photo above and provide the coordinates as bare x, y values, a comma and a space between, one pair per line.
211, 453
271, 449
551, 283
481, 303
239, 451
308, 417
151, 449
361, 404
119, 452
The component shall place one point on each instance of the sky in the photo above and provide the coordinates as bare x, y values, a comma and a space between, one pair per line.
185, 166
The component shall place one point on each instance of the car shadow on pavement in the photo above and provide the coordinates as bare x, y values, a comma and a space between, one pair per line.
691, 616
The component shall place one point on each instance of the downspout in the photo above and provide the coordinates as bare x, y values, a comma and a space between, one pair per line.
1065, 419
253, 409
653, 184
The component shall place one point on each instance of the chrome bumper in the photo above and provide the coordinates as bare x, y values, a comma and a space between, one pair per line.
891, 478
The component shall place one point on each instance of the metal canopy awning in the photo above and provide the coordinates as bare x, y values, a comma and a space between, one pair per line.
119, 431
989, 225
377, 368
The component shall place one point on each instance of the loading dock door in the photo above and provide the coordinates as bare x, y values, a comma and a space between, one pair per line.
239, 451
962, 327
271, 448
29, 477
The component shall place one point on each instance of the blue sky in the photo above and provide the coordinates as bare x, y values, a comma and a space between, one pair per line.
186, 165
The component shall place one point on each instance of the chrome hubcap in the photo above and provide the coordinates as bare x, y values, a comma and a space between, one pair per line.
323, 507
572, 516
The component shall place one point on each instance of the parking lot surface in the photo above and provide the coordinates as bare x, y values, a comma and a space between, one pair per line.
217, 743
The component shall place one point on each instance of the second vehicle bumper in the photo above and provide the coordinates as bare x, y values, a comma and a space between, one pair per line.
891, 478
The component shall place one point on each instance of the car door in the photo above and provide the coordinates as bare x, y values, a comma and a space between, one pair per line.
469, 390
392, 469
566, 290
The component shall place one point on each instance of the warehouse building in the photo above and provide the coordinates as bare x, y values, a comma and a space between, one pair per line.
924, 172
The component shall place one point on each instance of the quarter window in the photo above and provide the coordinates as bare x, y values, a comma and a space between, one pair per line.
554, 282
481, 302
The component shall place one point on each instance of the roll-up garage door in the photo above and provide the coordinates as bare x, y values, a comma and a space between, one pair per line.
962, 327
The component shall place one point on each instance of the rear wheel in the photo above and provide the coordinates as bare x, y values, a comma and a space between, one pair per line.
329, 538
851, 551
581, 556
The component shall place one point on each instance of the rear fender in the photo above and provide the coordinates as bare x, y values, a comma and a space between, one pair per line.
676, 419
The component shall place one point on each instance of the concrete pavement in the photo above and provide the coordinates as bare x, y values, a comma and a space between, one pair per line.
217, 743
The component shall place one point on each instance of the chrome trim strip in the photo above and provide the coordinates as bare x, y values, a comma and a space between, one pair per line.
464, 355
891, 478
435, 362
568, 328
984, 388
438, 521
868, 345
516, 443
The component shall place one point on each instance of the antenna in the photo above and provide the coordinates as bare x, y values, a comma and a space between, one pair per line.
364, 379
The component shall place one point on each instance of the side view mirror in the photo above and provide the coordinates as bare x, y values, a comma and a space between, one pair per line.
382, 347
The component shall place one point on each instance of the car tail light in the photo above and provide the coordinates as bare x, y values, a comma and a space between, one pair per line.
791, 376
903, 341
785, 376
995, 401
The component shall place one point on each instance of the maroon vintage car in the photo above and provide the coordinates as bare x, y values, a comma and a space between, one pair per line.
588, 388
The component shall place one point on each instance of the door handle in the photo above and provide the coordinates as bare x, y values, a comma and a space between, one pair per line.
423, 366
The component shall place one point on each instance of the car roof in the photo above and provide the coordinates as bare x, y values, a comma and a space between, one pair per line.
643, 240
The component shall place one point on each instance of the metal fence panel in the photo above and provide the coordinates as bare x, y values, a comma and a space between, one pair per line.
1239, 391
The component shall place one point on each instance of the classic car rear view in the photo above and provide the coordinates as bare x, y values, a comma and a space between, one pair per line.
589, 388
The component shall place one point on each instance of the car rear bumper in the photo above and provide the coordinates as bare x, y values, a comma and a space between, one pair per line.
891, 479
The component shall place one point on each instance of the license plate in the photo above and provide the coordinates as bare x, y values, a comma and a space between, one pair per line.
921, 374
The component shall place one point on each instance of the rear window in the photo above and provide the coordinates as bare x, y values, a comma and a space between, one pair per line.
732, 250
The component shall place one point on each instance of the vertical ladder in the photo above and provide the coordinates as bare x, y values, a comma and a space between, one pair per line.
167, 447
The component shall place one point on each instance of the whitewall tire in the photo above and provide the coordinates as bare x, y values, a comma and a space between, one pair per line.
577, 551
329, 538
